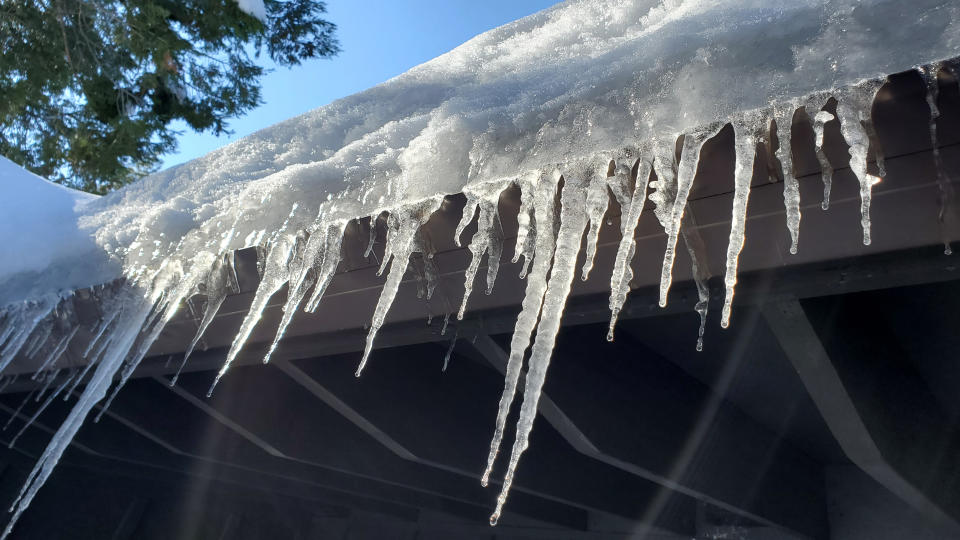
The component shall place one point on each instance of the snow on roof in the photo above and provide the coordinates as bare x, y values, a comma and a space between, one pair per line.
555, 87
565, 92
40, 224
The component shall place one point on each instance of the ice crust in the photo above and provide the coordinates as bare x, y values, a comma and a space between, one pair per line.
574, 105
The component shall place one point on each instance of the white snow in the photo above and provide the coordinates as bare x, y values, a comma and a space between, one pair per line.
561, 85
254, 7
559, 94
39, 220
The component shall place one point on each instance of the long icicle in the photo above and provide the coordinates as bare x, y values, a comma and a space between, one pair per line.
101, 329
16, 412
57, 351
573, 221
686, 171
597, 201
327, 268
138, 311
818, 120
488, 238
275, 276
945, 188
700, 269
543, 233
173, 293
402, 227
42, 408
747, 132
373, 235
47, 381
622, 270
852, 109
783, 116
27, 320
453, 343
220, 282
525, 223
321, 256
76, 382
38, 340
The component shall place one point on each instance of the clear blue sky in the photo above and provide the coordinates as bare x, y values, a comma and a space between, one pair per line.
380, 39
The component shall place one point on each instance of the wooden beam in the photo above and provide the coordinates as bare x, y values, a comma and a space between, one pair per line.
798, 510
851, 414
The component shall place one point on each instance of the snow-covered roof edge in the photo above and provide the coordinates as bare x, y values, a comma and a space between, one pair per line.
298, 218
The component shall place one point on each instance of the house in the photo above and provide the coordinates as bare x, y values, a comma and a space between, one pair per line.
825, 410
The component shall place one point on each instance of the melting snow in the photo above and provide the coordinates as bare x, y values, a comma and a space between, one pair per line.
578, 96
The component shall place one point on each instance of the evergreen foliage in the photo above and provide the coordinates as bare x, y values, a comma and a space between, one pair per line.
89, 88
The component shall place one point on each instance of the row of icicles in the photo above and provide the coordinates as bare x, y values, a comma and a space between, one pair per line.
134, 313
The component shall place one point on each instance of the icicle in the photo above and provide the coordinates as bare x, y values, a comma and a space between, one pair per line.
25, 321
136, 314
748, 131
402, 227
852, 109
874, 138
446, 322
701, 273
103, 346
665, 198
42, 407
16, 413
818, 118
665, 186
324, 273
170, 287
101, 328
466, 217
8, 322
220, 282
573, 220
373, 235
453, 343
619, 179
48, 379
597, 201
58, 351
39, 339
945, 195
429, 274
525, 224
541, 229
488, 238
686, 171
783, 116
76, 382
163, 311
629, 219
275, 276
316, 267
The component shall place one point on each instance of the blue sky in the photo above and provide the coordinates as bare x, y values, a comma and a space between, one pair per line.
380, 39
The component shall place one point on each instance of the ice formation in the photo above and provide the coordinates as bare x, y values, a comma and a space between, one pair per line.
930, 73
573, 105
488, 239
